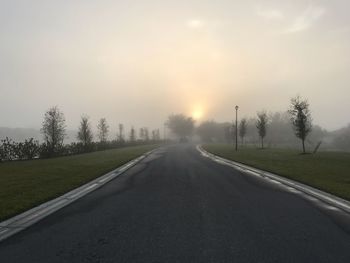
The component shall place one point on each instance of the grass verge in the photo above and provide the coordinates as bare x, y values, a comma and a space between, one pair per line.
26, 184
328, 171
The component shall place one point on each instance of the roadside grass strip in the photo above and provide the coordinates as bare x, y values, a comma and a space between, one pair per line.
27, 184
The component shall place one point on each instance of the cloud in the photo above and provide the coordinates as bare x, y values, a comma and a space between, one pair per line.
307, 19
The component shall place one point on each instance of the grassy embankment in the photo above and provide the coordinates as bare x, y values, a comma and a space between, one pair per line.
328, 171
25, 184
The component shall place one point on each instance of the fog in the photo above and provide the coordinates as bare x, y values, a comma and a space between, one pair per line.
136, 62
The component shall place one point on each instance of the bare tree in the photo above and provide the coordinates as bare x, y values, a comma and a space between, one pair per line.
142, 134
85, 135
300, 118
242, 129
261, 125
53, 129
132, 137
146, 134
120, 136
103, 130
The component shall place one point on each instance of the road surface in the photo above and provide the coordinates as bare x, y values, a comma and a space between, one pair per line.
177, 206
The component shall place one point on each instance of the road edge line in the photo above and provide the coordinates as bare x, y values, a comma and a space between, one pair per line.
17, 223
323, 196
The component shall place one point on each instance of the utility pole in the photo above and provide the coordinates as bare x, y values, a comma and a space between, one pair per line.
236, 128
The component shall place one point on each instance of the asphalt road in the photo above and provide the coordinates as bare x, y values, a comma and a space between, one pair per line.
177, 206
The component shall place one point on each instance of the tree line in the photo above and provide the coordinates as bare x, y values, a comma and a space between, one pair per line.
54, 132
297, 122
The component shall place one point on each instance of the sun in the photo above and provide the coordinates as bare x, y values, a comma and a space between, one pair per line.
197, 114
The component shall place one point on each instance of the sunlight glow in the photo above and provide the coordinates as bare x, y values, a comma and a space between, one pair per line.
197, 114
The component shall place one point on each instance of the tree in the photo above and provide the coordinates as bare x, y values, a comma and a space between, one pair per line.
85, 135
242, 129
142, 134
228, 133
261, 125
103, 130
120, 136
181, 125
53, 130
300, 118
154, 135
146, 134
132, 137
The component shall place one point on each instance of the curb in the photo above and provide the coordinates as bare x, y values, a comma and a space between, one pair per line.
20, 222
325, 197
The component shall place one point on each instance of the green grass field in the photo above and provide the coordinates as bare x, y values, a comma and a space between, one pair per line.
25, 184
328, 171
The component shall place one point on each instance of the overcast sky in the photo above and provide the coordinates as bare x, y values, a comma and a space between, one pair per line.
136, 61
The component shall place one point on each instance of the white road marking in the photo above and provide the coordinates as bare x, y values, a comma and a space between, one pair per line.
253, 173
290, 185
3, 231
43, 211
82, 191
329, 207
106, 178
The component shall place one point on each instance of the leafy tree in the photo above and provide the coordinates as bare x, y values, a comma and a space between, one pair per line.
209, 131
7, 150
103, 130
85, 135
30, 149
242, 129
53, 130
300, 118
181, 125
261, 125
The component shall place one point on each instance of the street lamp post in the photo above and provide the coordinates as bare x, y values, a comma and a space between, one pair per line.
236, 128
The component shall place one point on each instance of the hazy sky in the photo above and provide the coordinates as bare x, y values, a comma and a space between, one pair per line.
137, 61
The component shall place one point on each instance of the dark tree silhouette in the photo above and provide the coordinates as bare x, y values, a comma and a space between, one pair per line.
120, 136
181, 125
142, 134
243, 129
132, 137
53, 130
85, 135
146, 134
300, 118
103, 130
208, 131
261, 125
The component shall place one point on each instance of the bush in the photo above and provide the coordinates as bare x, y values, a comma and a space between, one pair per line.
10, 150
